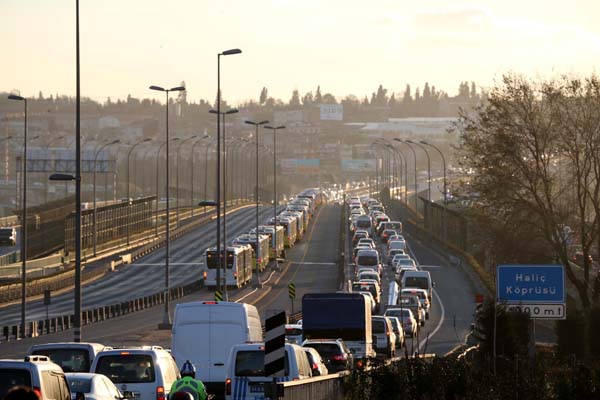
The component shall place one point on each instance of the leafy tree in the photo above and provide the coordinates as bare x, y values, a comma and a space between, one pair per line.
328, 98
392, 101
308, 100
264, 95
512, 330
318, 97
295, 100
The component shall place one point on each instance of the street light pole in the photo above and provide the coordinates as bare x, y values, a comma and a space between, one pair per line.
129, 203
445, 222
157, 175
428, 167
218, 196
274, 129
206, 173
256, 125
95, 238
416, 185
23, 217
192, 173
166, 324
177, 174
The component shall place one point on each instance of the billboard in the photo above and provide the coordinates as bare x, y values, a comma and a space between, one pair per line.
300, 166
332, 112
360, 165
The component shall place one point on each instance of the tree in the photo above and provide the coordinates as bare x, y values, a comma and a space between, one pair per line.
264, 95
318, 98
392, 101
295, 100
534, 149
308, 100
512, 329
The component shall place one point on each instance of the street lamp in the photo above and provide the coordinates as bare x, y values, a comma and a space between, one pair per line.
157, 174
94, 189
428, 167
206, 172
129, 184
192, 172
177, 175
445, 222
274, 129
415, 159
166, 324
256, 125
23, 217
405, 168
218, 197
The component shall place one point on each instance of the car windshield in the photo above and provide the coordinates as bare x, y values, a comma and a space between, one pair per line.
416, 282
377, 326
127, 368
367, 259
398, 312
10, 377
363, 223
70, 360
83, 385
326, 350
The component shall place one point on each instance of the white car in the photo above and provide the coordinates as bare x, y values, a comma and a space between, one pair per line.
93, 386
422, 295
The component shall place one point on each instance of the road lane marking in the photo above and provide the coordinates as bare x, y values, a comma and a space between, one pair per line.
312, 263
442, 309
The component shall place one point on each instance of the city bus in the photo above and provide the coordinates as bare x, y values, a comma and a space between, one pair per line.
270, 230
262, 254
239, 266
299, 222
289, 229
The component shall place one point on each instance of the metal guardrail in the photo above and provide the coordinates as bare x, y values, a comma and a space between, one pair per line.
10, 258
328, 387
65, 322
13, 270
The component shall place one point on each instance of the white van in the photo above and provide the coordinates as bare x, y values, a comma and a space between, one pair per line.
246, 378
71, 356
140, 373
419, 280
204, 333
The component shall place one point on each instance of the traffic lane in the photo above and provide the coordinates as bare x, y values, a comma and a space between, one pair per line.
313, 264
6, 249
453, 302
117, 286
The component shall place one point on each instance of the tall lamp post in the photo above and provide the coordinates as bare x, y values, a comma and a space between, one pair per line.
95, 237
206, 172
415, 159
444, 223
428, 167
177, 175
23, 217
218, 197
157, 175
166, 324
192, 172
275, 129
129, 185
256, 125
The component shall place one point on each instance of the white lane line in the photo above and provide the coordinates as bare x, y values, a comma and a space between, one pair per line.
254, 291
443, 311
430, 266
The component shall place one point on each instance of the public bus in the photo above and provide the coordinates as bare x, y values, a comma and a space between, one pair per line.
271, 230
239, 266
262, 254
289, 229
299, 222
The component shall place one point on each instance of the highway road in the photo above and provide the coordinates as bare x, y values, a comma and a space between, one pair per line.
309, 264
4, 249
146, 275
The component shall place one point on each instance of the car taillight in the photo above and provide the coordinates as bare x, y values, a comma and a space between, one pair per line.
387, 333
339, 357
359, 364
160, 393
228, 387
38, 392
259, 260
235, 274
315, 367
205, 275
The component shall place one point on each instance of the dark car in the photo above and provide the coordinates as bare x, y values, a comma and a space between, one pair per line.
359, 235
336, 355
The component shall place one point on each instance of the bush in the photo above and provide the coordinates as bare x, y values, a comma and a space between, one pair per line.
570, 334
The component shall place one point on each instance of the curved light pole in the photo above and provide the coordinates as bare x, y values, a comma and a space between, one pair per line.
177, 175
256, 125
95, 238
166, 324
192, 173
23, 217
218, 189
129, 203
428, 167
405, 168
157, 175
275, 129
415, 159
444, 222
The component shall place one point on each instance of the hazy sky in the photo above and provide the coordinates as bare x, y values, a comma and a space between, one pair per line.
345, 46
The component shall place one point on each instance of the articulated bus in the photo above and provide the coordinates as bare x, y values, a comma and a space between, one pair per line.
299, 222
271, 230
263, 248
239, 266
289, 229
301, 209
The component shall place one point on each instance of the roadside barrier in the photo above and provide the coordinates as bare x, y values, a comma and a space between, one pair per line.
102, 313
